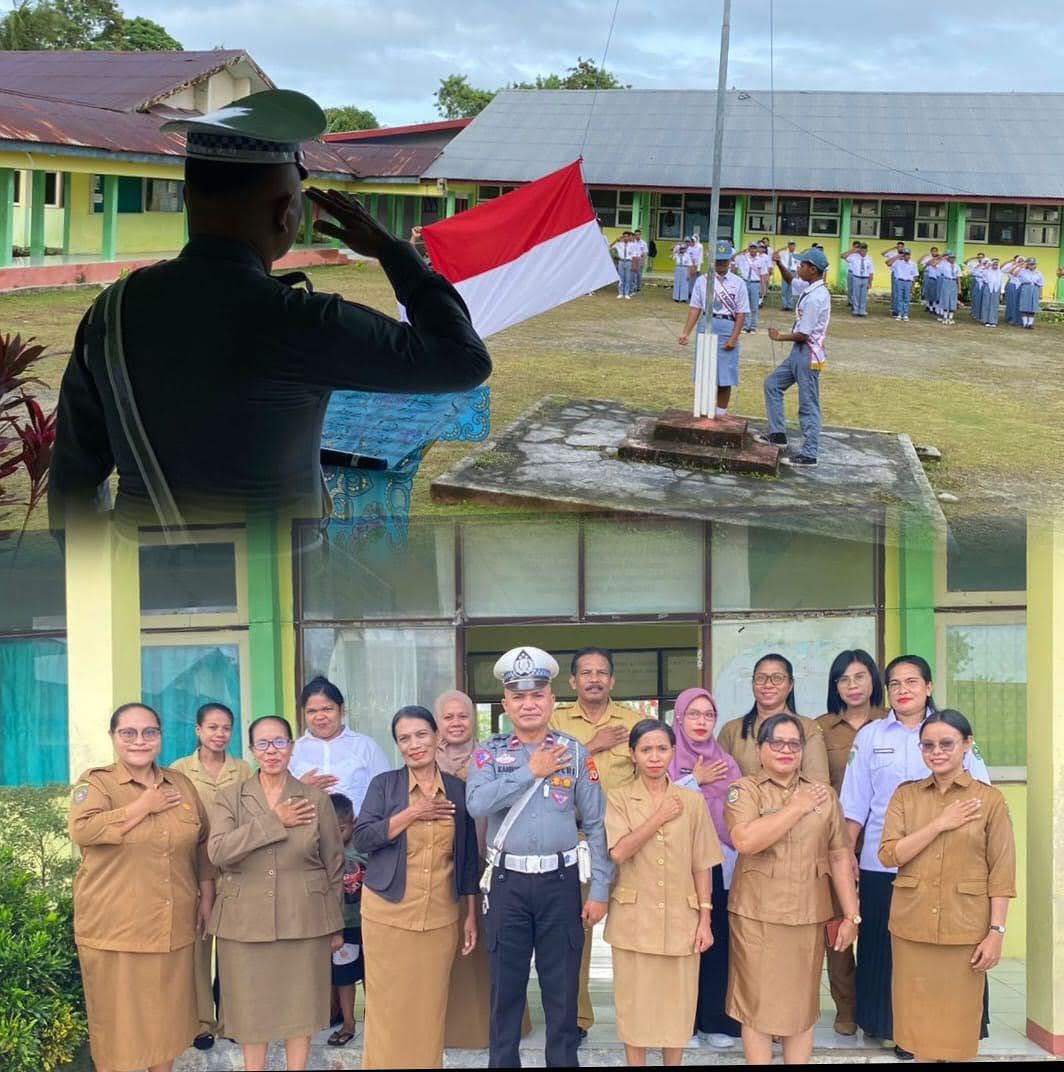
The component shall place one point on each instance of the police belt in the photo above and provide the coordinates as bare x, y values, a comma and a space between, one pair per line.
537, 865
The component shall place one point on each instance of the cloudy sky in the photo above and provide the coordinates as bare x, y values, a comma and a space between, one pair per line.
389, 55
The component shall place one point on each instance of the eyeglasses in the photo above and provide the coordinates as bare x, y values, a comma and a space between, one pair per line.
784, 745
770, 679
857, 679
910, 683
946, 747
700, 716
129, 735
279, 744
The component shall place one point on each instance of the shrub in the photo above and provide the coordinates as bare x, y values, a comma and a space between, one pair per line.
33, 826
42, 1008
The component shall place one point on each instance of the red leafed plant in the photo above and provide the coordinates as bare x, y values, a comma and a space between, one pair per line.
25, 444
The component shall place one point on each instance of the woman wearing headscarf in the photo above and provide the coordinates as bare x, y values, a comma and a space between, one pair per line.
700, 763
421, 880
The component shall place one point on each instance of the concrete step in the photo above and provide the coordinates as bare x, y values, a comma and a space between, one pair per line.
679, 426
642, 445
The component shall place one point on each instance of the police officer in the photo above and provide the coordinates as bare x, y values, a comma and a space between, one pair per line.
214, 390
535, 786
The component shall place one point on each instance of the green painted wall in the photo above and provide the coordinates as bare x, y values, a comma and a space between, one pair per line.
264, 618
138, 232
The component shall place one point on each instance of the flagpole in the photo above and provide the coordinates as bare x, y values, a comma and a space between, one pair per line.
718, 128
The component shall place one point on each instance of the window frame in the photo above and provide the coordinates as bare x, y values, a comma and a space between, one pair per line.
149, 189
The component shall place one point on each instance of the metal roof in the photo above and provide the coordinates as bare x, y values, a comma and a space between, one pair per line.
121, 81
379, 133
936, 145
385, 161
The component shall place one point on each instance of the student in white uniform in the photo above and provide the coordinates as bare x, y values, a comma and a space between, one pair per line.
860, 271
764, 260
1031, 284
638, 266
681, 284
730, 306
788, 257
625, 249
949, 273
844, 258
748, 265
902, 273
889, 257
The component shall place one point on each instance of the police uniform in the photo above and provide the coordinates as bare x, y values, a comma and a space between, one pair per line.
778, 904
885, 753
231, 368
615, 771
654, 908
135, 900
533, 904
744, 750
941, 910
233, 772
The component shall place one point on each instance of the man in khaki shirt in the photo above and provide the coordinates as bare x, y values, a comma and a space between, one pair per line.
602, 726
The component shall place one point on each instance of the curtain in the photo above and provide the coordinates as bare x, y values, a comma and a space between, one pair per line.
34, 730
176, 679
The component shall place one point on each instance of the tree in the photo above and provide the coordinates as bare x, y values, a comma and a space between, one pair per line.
348, 117
584, 75
80, 24
457, 99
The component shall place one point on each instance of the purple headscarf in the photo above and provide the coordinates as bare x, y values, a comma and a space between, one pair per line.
688, 753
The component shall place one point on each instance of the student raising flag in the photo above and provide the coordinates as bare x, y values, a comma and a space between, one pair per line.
524, 253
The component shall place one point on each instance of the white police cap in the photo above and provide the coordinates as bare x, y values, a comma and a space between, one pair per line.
524, 669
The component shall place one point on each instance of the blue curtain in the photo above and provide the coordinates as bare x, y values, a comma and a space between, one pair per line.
34, 729
177, 679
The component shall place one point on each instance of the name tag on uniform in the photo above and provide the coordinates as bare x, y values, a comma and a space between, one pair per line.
878, 750
507, 759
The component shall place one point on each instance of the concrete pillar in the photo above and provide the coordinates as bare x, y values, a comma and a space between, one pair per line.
68, 197
36, 207
264, 624
103, 634
109, 247
845, 227
739, 223
1045, 783
957, 227
450, 203
7, 215
916, 586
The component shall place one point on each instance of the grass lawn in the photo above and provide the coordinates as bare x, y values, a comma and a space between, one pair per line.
991, 400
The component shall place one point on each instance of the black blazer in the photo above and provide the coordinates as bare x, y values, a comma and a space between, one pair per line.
387, 795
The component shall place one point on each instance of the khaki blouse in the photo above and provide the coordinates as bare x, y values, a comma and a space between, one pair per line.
615, 764
429, 901
790, 881
276, 882
943, 894
654, 904
745, 752
233, 772
136, 892
839, 736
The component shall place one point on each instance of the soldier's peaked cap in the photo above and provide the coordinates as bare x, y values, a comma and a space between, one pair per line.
263, 128
524, 669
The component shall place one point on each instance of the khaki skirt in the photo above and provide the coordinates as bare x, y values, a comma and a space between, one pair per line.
124, 993
938, 1000
274, 990
774, 975
408, 975
655, 998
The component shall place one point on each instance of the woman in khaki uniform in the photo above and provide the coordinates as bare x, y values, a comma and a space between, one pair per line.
277, 916
664, 844
773, 685
950, 836
421, 879
210, 768
144, 889
793, 847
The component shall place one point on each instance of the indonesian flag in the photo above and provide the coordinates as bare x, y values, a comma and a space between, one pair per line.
523, 253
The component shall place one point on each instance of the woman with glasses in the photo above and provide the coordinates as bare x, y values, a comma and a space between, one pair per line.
793, 849
855, 698
277, 844
142, 897
950, 837
210, 769
886, 752
773, 685
701, 764
418, 897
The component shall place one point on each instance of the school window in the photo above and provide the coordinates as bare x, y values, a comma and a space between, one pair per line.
864, 219
825, 206
794, 216
931, 221
897, 220
975, 232
53, 189
489, 193
1043, 225
930, 230
670, 216
130, 194
16, 196
696, 215
1007, 224
430, 210
931, 210
824, 225
164, 195
604, 202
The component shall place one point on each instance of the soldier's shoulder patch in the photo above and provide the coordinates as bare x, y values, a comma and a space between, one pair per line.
733, 794
81, 792
592, 769
482, 756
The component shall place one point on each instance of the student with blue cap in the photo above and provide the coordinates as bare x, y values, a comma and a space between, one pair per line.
731, 306
802, 365
212, 394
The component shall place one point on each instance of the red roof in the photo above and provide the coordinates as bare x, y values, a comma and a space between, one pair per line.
386, 161
119, 81
414, 128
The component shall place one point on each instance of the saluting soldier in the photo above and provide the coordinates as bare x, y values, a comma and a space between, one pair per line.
214, 390
535, 786
602, 726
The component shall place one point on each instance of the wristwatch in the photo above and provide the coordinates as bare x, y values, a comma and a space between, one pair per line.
855, 920
995, 927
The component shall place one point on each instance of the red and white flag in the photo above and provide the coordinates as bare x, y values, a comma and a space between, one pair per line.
523, 253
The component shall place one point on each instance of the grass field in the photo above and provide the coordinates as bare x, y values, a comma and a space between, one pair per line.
991, 400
